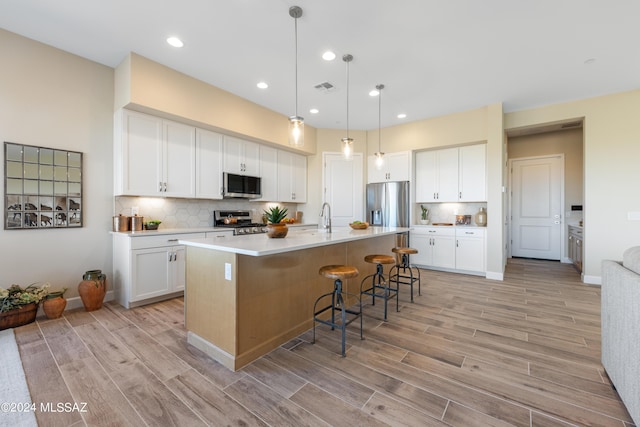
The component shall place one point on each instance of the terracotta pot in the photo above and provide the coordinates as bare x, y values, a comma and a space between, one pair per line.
54, 307
93, 289
277, 231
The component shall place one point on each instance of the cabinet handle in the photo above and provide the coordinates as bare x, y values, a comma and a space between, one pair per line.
170, 255
172, 240
468, 232
434, 196
460, 195
165, 187
175, 256
457, 245
160, 186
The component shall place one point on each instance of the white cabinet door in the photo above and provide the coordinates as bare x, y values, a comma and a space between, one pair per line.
396, 167
241, 157
426, 177
472, 185
447, 170
444, 251
292, 177
138, 155
422, 243
153, 157
208, 164
470, 252
179, 160
152, 276
177, 268
269, 173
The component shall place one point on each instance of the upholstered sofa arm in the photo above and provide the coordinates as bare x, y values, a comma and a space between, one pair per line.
621, 329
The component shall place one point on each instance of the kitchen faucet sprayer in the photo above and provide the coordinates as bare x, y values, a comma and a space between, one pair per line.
326, 222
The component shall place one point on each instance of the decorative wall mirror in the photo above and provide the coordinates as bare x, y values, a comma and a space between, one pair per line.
42, 187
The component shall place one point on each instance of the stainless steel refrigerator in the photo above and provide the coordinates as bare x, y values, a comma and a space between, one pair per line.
388, 206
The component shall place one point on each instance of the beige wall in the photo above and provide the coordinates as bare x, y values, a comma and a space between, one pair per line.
611, 172
55, 99
567, 142
144, 85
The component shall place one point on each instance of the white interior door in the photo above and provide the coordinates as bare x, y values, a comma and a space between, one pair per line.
343, 187
536, 207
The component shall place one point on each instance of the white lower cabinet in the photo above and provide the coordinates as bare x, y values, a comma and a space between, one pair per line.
435, 245
470, 252
449, 248
148, 268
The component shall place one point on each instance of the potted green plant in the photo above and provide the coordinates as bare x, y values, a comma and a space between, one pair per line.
19, 306
274, 216
152, 225
424, 215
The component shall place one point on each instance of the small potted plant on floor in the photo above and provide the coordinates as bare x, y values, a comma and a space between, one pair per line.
275, 227
54, 304
19, 306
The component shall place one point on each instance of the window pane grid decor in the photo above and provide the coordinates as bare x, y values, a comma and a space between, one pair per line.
42, 187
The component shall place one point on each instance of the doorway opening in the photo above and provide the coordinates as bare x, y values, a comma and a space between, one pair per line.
546, 182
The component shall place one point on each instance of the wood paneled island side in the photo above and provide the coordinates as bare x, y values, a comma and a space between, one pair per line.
246, 295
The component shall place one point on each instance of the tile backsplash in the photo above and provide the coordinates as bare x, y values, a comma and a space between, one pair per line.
189, 213
446, 212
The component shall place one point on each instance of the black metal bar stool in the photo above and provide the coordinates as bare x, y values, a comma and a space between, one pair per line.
379, 287
403, 273
338, 273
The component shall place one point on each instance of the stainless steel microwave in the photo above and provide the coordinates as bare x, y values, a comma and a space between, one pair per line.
241, 186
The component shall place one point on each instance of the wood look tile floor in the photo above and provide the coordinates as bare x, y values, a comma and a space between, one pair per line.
468, 352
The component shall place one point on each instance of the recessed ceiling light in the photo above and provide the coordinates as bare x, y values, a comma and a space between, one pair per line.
328, 56
589, 61
402, 116
374, 92
314, 111
262, 85
175, 42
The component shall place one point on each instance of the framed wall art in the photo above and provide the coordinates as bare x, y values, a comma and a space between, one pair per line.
42, 187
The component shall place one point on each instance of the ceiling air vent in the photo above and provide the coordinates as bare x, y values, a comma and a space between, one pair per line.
324, 87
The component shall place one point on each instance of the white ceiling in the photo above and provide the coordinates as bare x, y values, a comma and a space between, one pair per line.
435, 57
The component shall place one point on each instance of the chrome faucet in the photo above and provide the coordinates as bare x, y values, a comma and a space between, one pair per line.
326, 223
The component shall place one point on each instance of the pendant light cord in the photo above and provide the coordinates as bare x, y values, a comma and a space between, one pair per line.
296, 56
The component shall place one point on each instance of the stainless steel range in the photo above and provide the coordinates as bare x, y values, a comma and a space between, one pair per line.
239, 221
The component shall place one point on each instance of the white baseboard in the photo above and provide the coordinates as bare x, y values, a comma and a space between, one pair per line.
592, 280
493, 275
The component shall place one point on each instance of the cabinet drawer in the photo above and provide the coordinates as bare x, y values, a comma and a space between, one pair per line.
434, 231
144, 242
473, 232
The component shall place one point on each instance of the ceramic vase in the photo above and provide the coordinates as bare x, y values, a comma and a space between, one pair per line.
277, 231
481, 217
54, 307
92, 289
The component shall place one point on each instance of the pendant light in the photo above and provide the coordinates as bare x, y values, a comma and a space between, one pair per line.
347, 143
379, 155
296, 123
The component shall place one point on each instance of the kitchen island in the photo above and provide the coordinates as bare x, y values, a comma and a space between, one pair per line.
246, 295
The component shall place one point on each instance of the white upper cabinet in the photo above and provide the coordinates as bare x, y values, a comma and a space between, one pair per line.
396, 167
451, 175
437, 176
208, 164
269, 173
153, 157
292, 177
241, 157
472, 185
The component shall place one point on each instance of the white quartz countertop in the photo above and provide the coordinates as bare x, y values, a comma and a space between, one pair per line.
260, 244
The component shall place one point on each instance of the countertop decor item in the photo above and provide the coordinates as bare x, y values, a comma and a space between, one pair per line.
358, 225
152, 225
19, 306
54, 304
424, 215
274, 215
481, 217
92, 289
